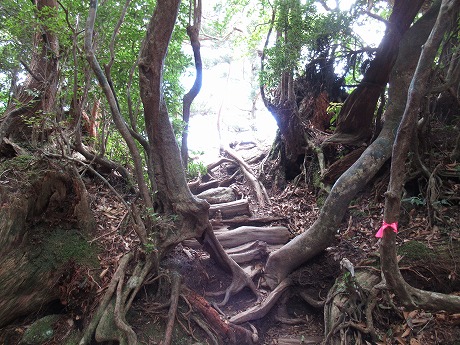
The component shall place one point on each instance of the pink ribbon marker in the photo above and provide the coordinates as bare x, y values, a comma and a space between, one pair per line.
385, 225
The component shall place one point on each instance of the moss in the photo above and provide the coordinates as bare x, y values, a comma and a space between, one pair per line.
21, 162
40, 331
62, 246
69, 245
415, 250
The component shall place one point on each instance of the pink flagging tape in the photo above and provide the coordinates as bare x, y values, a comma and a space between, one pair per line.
385, 225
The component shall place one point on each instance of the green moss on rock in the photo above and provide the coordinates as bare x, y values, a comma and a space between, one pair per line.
40, 331
415, 250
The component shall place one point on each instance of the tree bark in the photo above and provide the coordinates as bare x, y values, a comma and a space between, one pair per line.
37, 211
354, 123
38, 94
193, 32
409, 296
230, 209
320, 235
114, 109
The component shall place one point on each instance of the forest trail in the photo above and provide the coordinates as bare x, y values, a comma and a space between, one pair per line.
249, 232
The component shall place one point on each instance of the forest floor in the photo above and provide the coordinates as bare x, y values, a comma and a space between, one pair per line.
426, 252
292, 321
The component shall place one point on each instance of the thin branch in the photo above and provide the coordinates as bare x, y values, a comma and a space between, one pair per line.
29, 70
376, 16
117, 118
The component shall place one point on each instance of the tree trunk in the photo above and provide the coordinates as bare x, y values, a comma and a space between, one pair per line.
43, 216
193, 32
320, 235
409, 296
354, 123
37, 95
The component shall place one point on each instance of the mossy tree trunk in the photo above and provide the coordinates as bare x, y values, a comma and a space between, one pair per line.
44, 216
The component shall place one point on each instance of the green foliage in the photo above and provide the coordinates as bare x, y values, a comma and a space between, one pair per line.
334, 108
195, 169
150, 246
303, 34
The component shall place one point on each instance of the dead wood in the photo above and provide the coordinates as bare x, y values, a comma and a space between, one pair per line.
251, 221
271, 235
227, 332
303, 340
260, 310
252, 251
218, 195
259, 189
230, 209
197, 186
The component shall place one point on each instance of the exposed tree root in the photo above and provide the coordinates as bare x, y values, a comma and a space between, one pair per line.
263, 308
271, 235
89, 331
228, 332
239, 278
350, 304
320, 235
109, 320
261, 193
175, 291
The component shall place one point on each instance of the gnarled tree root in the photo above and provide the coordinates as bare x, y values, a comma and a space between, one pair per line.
349, 304
228, 333
109, 320
263, 308
239, 277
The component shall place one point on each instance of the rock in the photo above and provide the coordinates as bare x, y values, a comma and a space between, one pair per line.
219, 195
40, 331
